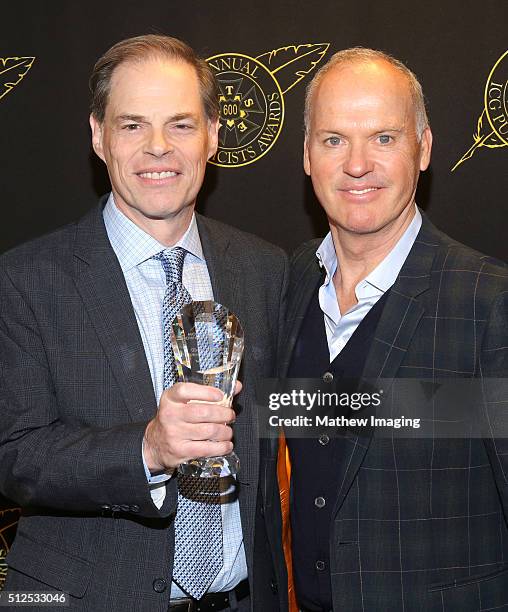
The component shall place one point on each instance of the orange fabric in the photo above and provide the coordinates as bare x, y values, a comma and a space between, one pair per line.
283, 475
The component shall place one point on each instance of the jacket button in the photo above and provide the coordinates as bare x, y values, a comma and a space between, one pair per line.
134, 508
115, 508
320, 502
320, 566
328, 377
105, 507
125, 508
324, 439
159, 585
273, 585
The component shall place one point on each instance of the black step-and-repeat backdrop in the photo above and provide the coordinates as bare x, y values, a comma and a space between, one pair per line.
268, 50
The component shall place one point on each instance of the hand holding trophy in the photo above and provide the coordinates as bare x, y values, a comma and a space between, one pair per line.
207, 341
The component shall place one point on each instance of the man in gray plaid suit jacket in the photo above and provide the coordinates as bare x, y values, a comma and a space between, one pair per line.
385, 523
89, 441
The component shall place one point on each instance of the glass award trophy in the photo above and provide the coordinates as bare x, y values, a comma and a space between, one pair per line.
207, 342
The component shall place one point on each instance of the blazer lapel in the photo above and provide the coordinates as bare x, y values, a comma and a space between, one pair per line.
399, 320
101, 284
224, 274
227, 285
402, 311
230, 289
299, 300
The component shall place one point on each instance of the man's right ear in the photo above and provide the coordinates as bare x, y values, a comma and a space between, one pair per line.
96, 127
306, 158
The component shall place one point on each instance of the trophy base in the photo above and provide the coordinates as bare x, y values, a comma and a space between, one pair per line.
211, 467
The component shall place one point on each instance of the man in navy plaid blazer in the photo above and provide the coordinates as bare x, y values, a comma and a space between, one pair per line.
89, 440
381, 522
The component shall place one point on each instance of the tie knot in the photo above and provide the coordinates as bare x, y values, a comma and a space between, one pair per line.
172, 263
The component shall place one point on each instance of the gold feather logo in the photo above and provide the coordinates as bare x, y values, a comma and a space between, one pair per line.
251, 98
492, 125
12, 72
289, 65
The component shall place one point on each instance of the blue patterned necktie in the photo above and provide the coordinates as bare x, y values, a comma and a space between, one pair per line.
198, 521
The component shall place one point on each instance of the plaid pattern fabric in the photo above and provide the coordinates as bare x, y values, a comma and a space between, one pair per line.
422, 524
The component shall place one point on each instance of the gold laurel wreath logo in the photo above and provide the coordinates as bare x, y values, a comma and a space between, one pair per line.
252, 98
494, 117
12, 72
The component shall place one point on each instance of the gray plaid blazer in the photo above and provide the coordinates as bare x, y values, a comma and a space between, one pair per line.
75, 397
420, 524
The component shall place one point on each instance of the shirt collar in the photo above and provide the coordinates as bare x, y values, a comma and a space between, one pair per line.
385, 273
327, 257
133, 246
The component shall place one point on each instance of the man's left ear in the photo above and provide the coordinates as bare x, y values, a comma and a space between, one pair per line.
96, 127
213, 137
425, 149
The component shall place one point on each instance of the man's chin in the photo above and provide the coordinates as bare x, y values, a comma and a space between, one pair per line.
156, 211
358, 228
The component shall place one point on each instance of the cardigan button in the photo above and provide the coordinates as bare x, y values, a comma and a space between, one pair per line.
324, 439
320, 502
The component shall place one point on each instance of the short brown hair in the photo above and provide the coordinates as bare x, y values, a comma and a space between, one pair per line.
141, 48
364, 55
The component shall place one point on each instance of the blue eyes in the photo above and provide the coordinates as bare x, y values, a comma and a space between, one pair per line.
335, 141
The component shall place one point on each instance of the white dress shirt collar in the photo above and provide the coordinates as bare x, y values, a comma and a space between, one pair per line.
133, 245
385, 273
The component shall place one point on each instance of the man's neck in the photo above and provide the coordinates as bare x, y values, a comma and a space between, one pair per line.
167, 231
359, 254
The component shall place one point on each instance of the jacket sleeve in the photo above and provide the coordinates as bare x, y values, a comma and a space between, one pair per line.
494, 390
50, 461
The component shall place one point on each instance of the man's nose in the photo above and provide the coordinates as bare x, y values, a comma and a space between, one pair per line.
158, 143
357, 162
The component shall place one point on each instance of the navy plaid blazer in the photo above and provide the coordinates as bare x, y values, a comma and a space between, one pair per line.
420, 524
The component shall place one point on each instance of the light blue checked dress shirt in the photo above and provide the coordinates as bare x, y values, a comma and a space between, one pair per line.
146, 282
341, 326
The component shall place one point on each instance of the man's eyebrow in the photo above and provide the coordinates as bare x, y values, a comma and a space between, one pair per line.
142, 119
390, 129
183, 116
135, 118
328, 131
376, 131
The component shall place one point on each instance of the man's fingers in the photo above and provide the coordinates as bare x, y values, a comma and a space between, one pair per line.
185, 392
238, 387
205, 432
210, 432
191, 422
207, 413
